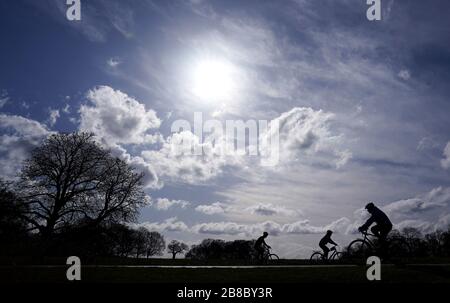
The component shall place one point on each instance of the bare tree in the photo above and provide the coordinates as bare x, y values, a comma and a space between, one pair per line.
176, 247
154, 243
70, 178
148, 243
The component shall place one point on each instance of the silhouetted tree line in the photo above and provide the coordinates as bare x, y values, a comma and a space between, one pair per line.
435, 244
213, 249
73, 196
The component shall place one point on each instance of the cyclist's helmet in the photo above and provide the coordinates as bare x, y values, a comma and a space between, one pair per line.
329, 232
370, 206
265, 234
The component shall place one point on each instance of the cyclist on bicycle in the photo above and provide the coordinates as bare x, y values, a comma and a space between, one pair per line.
324, 241
261, 245
383, 224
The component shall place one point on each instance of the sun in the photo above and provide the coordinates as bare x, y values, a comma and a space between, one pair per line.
213, 80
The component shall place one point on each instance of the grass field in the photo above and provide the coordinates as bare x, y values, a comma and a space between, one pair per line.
418, 273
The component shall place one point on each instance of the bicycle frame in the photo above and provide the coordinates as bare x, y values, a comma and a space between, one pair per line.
267, 255
334, 253
267, 252
367, 239
331, 253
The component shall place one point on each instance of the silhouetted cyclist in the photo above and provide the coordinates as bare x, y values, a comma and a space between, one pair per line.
383, 224
260, 246
324, 241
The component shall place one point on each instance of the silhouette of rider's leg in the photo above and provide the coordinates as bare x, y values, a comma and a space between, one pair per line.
376, 230
384, 231
325, 251
381, 232
260, 251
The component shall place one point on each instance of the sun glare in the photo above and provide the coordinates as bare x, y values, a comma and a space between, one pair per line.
213, 80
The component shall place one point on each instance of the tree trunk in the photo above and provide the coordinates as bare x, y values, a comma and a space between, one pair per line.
49, 228
173, 255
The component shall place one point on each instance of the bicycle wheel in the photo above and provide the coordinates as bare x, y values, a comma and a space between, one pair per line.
337, 256
273, 257
316, 257
359, 249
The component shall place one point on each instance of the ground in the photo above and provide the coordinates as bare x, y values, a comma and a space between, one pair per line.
182, 271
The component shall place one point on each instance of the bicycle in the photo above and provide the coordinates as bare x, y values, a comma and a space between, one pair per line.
318, 256
267, 257
363, 248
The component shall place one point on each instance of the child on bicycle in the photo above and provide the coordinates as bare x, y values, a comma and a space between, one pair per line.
324, 241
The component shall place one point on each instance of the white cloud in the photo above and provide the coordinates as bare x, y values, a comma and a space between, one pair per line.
53, 116
304, 128
212, 209
113, 62
176, 161
446, 161
23, 126
305, 134
273, 228
406, 207
443, 223
4, 98
421, 225
436, 202
151, 179
19, 136
168, 225
302, 227
404, 74
427, 143
220, 228
117, 118
262, 209
165, 204
343, 156
269, 209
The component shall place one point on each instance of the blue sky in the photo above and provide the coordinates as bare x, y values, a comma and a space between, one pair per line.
363, 107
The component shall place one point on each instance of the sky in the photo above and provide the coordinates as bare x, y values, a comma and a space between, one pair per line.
362, 107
